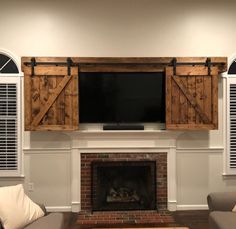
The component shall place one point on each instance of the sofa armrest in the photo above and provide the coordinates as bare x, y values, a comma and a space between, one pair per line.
221, 201
50, 221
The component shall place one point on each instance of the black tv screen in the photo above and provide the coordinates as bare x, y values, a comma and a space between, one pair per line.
121, 97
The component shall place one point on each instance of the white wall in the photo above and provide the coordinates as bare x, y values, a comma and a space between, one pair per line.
121, 28
198, 174
118, 27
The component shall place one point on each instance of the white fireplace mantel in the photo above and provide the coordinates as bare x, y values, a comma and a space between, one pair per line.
123, 142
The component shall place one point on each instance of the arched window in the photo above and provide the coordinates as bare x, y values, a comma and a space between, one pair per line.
7, 65
10, 116
232, 68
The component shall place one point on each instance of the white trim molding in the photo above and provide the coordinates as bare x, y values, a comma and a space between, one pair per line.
227, 170
171, 179
227, 80
184, 207
75, 180
201, 150
46, 150
75, 206
58, 208
172, 205
16, 81
131, 142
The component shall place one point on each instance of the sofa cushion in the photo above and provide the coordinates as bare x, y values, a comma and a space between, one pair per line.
222, 220
50, 221
16, 208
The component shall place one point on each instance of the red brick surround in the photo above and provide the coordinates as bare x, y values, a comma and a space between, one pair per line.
111, 217
125, 217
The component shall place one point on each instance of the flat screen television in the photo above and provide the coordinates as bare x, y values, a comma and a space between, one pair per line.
122, 97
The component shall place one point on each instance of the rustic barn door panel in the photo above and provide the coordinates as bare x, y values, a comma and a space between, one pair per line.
52, 95
191, 98
51, 98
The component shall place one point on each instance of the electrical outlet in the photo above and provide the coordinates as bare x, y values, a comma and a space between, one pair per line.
31, 187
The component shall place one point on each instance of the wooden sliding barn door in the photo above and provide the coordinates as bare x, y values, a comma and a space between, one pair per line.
51, 98
191, 98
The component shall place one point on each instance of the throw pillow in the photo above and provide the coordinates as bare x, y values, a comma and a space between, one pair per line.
234, 209
16, 208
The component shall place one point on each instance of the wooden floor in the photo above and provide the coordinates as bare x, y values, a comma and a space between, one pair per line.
191, 219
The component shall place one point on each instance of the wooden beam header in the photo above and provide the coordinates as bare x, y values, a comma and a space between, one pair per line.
162, 62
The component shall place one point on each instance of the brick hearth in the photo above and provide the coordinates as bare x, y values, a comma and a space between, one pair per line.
86, 216
124, 217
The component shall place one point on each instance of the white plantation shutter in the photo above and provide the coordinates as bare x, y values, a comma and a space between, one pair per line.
232, 120
8, 126
10, 116
10, 130
230, 146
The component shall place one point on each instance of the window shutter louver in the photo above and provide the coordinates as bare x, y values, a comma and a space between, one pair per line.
232, 113
8, 127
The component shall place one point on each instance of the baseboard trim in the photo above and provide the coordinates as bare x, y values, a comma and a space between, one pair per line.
200, 150
192, 207
58, 208
181, 207
46, 150
172, 205
75, 206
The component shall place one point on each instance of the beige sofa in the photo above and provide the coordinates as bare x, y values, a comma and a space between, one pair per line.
50, 221
220, 206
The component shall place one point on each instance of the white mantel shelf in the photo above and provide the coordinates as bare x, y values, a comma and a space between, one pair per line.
161, 134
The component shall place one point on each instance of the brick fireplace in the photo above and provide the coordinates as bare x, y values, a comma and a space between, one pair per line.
93, 144
156, 212
123, 185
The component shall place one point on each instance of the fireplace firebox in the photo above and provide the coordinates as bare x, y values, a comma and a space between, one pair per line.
123, 185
